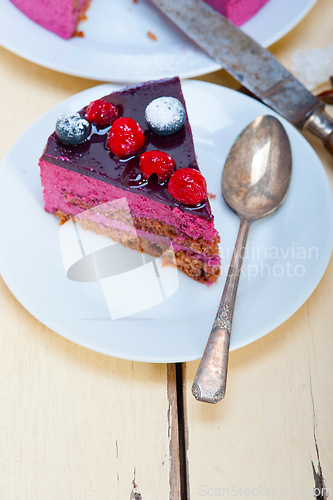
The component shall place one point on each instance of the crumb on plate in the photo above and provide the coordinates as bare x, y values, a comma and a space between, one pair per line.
152, 36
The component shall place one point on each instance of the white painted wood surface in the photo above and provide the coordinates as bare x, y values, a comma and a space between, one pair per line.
74, 423
259, 441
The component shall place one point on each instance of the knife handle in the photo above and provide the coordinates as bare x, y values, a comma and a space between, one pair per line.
321, 124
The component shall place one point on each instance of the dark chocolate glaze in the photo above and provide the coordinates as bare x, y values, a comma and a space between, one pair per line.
94, 159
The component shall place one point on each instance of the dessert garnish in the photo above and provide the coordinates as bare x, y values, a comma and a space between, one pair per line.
188, 186
126, 137
156, 162
165, 115
72, 129
101, 113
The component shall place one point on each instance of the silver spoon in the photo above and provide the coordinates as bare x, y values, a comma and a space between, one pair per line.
255, 181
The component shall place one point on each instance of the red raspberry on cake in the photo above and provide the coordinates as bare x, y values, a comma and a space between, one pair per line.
188, 186
101, 113
126, 137
156, 162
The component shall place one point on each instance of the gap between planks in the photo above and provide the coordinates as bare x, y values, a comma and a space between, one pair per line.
177, 432
179, 438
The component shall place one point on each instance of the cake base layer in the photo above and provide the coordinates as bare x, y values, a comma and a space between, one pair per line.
202, 268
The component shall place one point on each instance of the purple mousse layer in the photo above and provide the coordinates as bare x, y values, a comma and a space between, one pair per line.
93, 158
60, 17
237, 11
62, 189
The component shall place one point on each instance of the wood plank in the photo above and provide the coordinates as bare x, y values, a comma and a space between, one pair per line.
173, 433
278, 399
75, 423
262, 439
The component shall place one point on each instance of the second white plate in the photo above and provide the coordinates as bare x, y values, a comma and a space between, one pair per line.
287, 252
116, 46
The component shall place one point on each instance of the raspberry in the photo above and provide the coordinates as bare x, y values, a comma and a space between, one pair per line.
188, 186
126, 137
156, 162
101, 113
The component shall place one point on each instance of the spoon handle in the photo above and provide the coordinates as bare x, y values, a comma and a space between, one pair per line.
210, 380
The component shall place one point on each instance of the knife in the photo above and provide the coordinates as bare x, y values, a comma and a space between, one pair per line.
252, 65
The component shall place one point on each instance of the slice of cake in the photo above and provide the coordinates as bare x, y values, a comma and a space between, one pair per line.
62, 16
237, 11
135, 144
59, 16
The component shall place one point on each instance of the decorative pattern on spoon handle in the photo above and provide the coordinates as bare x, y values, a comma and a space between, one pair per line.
222, 320
210, 381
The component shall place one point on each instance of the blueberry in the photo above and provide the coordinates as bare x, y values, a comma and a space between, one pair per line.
72, 129
165, 115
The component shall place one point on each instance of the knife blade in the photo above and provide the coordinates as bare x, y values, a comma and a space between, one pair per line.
252, 65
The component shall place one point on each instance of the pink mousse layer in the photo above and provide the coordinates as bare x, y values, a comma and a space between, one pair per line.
53, 15
237, 11
57, 181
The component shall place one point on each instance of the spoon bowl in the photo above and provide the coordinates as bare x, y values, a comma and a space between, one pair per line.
255, 181
257, 172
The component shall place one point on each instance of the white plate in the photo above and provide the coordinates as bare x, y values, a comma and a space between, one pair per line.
116, 47
298, 239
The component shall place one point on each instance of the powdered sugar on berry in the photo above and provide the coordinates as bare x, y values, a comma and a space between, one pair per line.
72, 128
165, 115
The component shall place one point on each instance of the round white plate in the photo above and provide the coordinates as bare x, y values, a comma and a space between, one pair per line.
116, 46
287, 252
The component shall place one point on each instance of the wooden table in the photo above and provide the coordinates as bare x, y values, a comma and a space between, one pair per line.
79, 425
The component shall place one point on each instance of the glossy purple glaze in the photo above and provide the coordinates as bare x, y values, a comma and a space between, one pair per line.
93, 158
